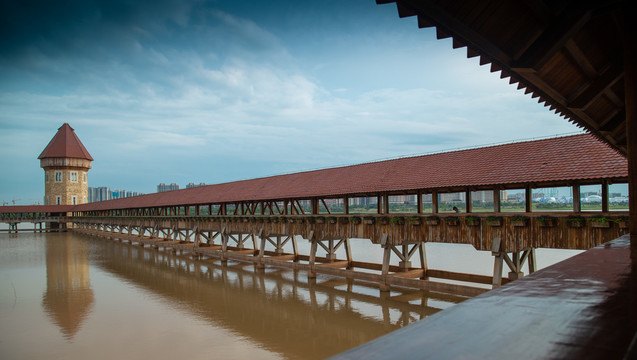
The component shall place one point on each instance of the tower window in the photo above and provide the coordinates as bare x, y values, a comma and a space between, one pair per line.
58, 176
58, 200
46, 177
74, 198
73, 176
84, 177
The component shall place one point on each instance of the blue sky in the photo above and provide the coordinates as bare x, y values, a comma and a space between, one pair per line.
216, 91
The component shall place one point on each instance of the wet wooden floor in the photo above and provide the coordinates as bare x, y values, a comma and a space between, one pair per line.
582, 308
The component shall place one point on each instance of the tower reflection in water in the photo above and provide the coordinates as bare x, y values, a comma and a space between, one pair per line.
68, 298
280, 310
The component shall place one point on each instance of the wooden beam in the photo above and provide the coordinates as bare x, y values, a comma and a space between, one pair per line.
553, 38
607, 78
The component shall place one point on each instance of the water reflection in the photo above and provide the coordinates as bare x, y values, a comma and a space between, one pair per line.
68, 298
279, 310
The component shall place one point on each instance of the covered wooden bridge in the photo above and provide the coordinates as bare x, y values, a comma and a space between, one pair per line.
579, 60
398, 204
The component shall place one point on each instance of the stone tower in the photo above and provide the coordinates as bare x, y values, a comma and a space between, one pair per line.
66, 163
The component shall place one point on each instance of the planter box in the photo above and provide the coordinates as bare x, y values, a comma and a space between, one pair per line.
451, 221
432, 221
494, 223
319, 220
546, 223
575, 224
415, 222
519, 223
472, 222
599, 224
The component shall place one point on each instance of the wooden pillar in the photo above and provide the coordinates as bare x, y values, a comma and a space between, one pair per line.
348, 253
346, 205
528, 198
423, 259
434, 202
496, 200
385, 268
468, 205
630, 85
498, 261
605, 196
310, 273
385, 204
577, 204
419, 202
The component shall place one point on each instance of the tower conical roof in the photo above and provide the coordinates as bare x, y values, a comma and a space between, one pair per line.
65, 144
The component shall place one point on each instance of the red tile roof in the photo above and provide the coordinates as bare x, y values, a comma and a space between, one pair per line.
577, 157
65, 144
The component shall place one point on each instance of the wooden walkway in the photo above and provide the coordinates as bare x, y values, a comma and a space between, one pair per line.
581, 308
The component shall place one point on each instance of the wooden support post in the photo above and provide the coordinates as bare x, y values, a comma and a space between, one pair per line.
385, 204
515, 272
260, 263
630, 86
468, 204
310, 273
224, 245
531, 261
496, 200
434, 202
605, 196
577, 204
497, 262
348, 253
384, 286
295, 248
404, 264
423, 259
419, 202
528, 198
346, 205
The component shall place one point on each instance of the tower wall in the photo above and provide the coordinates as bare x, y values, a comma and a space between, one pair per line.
65, 181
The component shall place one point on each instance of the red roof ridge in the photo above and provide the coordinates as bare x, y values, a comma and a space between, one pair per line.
65, 144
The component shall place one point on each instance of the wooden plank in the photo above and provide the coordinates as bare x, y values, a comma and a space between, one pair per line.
335, 264
417, 273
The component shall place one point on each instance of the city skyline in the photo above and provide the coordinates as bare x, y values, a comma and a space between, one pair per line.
227, 91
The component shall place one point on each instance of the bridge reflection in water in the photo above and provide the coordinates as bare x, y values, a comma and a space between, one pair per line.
280, 309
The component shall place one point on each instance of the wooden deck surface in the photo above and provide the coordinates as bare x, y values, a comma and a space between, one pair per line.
582, 308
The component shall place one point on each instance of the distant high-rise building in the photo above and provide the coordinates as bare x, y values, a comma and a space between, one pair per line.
163, 187
104, 193
192, 185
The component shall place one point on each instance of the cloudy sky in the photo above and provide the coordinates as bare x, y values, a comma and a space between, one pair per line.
216, 91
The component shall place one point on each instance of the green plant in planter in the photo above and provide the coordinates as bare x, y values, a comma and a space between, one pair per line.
355, 220
494, 220
472, 220
432, 220
451, 220
331, 219
575, 221
343, 220
397, 220
601, 219
368, 219
544, 221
